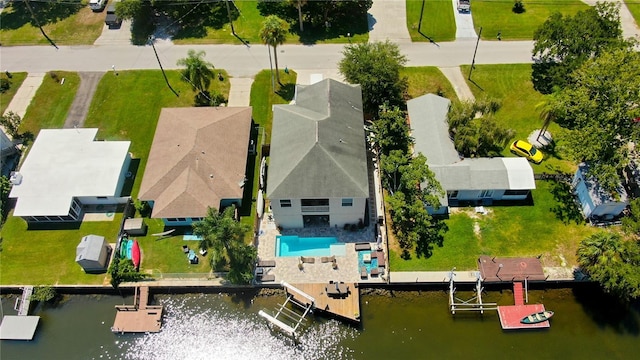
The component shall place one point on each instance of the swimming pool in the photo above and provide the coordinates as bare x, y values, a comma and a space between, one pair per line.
292, 245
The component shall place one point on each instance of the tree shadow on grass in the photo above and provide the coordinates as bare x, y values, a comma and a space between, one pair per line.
567, 209
287, 91
45, 12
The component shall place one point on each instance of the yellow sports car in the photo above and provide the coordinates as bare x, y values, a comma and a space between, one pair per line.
523, 148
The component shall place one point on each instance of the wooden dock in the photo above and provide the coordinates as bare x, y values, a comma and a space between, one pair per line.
510, 316
346, 307
139, 317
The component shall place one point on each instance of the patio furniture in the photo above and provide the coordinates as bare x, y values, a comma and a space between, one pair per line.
334, 263
326, 259
267, 278
337, 289
266, 263
362, 246
366, 258
185, 249
375, 272
307, 260
363, 272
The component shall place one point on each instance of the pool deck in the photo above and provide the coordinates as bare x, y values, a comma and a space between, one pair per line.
287, 269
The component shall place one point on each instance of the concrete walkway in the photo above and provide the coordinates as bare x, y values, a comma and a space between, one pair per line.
457, 80
388, 20
115, 36
240, 91
80, 106
25, 94
629, 26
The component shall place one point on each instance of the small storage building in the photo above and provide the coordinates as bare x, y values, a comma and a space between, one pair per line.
595, 201
93, 254
135, 227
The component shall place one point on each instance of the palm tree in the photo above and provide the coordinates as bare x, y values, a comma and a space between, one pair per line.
547, 115
273, 33
198, 72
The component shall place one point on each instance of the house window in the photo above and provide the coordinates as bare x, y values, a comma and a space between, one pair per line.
182, 219
486, 193
285, 203
315, 202
453, 194
347, 202
516, 192
172, 219
101, 197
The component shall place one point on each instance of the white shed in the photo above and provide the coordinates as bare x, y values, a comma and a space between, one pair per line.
596, 202
93, 253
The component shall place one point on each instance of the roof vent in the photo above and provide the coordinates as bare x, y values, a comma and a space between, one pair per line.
16, 178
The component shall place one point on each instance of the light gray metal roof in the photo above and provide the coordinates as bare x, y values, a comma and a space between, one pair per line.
318, 144
429, 128
90, 248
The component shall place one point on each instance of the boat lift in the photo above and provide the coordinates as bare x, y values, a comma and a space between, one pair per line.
473, 304
295, 296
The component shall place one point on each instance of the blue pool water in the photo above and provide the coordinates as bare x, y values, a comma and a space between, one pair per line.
369, 265
308, 246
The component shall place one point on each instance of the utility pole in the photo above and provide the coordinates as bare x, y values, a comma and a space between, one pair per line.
233, 31
473, 62
33, 16
273, 84
161, 68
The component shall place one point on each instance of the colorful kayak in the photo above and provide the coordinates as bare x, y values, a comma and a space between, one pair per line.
537, 317
135, 253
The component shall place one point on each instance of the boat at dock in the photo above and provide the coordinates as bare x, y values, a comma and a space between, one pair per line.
537, 317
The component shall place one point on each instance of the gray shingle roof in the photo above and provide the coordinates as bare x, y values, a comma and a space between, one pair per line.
318, 144
429, 128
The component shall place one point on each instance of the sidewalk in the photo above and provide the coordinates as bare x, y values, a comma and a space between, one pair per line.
25, 94
457, 80
629, 26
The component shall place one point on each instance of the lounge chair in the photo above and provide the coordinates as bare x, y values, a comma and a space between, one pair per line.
325, 259
266, 263
267, 278
307, 260
362, 246
363, 273
375, 272
334, 264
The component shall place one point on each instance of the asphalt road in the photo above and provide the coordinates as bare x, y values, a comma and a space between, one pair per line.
246, 61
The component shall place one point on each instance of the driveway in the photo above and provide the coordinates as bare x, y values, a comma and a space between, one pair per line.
80, 106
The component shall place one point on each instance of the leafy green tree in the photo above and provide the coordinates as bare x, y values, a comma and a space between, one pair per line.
198, 72
391, 130
477, 136
613, 262
563, 43
128, 9
11, 122
274, 33
631, 222
376, 67
123, 270
225, 237
600, 111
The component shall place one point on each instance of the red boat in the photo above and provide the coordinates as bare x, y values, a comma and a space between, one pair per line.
135, 254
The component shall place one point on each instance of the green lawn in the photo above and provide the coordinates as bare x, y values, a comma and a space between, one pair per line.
438, 23
505, 231
47, 257
262, 98
248, 24
496, 16
127, 107
51, 104
512, 84
427, 79
634, 8
16, 80
61, 21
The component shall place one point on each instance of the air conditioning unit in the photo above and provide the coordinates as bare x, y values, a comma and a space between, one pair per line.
16, 178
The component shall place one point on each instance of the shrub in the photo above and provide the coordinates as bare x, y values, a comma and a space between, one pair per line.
5, 84
518, 7
11, 121
54, 76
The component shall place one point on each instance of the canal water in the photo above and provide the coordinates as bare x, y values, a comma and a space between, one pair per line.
399, 325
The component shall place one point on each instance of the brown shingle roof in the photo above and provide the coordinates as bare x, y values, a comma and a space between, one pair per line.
197, 158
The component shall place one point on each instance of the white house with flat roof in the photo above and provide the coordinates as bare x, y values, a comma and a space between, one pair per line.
67, 169
474, 181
